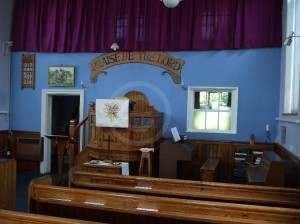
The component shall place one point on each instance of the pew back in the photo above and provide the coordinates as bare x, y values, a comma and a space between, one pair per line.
263, 195
13, 217
124, 208
269, 172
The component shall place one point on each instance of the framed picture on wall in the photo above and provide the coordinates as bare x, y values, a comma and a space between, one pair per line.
28, 71
61, 75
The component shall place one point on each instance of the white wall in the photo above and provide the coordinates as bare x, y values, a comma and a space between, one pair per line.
291, 123
6, 15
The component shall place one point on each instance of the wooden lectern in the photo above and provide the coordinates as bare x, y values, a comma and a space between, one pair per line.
62, 143
170, 154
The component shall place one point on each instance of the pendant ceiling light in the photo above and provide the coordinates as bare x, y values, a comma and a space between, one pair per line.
114, 46
171, 3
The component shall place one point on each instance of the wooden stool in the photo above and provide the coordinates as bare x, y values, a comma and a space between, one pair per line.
146, 156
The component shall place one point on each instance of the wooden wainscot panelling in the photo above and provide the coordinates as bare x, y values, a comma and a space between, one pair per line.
7, 184
216, 149
3, 143
224, 151
292, 163
3, 139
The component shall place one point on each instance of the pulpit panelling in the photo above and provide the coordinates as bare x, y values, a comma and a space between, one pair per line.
145, 130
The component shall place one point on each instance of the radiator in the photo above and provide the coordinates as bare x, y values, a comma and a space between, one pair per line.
29, 149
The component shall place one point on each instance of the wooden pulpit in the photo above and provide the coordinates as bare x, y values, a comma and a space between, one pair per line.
62, 143
144, 131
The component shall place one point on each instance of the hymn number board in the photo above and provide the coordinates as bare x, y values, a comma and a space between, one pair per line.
27, 71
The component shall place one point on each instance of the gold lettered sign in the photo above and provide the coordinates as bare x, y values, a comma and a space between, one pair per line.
27, 71
171, 64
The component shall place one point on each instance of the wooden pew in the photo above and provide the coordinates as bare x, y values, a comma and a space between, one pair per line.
269, 172
13, 217
261, 195
112, 207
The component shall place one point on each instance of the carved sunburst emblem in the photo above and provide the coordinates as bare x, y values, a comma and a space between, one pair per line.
111, 110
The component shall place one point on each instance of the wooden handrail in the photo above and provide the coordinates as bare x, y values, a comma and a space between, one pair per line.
81, 123
73, 129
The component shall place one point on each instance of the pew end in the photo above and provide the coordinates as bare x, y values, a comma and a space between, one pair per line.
44, 180
270, 171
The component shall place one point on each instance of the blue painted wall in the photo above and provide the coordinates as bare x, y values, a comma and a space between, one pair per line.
255, 72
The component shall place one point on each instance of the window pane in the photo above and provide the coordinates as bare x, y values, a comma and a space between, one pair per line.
136, 121
147, 121
225, 100
213, 99
197, 100
199, 120
291, 55
212, 120
212, 110
200, 100
203, 100
224, 121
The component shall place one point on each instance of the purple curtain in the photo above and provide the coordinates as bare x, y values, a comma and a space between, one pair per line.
93, 25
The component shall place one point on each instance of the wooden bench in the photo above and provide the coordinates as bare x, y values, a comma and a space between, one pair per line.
208, 169
200, 190
270, 171
112, 207
13, 217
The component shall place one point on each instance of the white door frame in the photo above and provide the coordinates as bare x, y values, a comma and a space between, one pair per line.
46, 120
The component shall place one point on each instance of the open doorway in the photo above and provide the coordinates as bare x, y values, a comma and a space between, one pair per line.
54, 102
64, 109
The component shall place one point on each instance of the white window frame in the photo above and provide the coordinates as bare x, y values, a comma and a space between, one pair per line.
292, 56
190, 108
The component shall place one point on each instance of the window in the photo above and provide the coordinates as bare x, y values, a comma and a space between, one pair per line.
212, 110
292, 56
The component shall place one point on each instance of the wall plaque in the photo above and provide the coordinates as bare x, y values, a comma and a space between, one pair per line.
28, 68
170, 63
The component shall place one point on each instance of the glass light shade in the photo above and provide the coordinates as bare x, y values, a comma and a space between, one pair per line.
171, 3
114, 46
